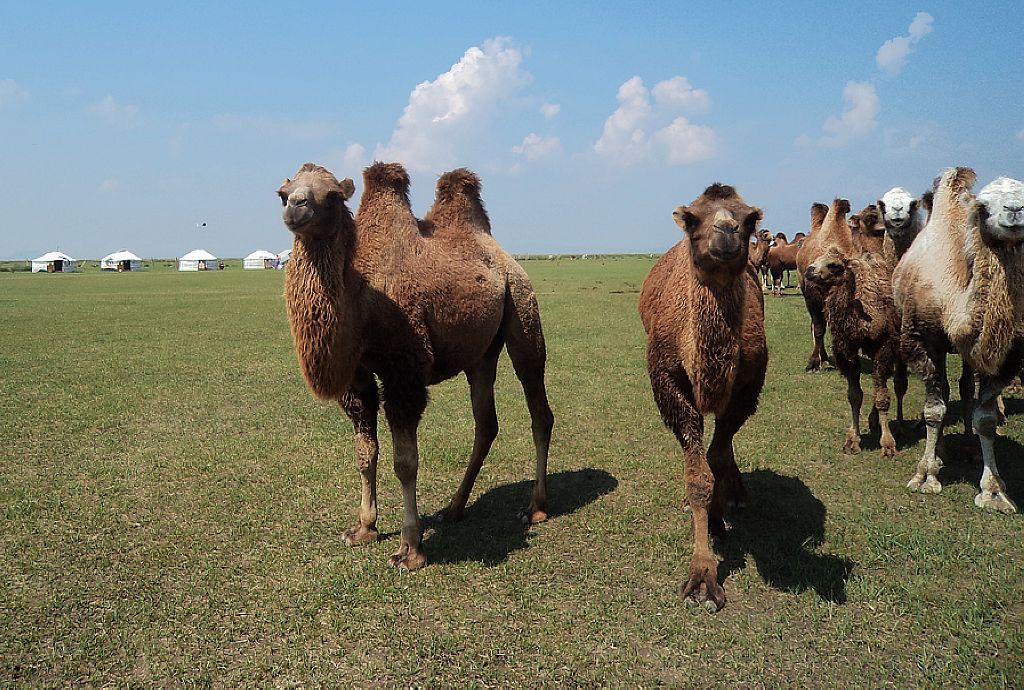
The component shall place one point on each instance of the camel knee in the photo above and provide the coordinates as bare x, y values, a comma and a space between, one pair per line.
985, 419
934, 412
406, 469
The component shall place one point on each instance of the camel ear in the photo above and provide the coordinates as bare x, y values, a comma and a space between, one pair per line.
685, 219
752, 219
347, 188
881, 207
280, 190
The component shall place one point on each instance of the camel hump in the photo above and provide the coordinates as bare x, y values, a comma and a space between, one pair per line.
386, 176
957, 180
458, 206
720, 191
818, 213
927, 199
841, 205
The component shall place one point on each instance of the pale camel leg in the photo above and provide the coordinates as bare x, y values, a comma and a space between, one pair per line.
986, 416
409, 555
524, 340
481, 391
361, 404
926, 478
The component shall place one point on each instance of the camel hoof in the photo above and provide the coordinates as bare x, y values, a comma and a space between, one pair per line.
889, 451
931, 485
711, 595
915, 483
360, 535
851, 447
408, 559
531, 516
998, 502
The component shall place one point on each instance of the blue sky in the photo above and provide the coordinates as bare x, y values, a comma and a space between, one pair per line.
126, 124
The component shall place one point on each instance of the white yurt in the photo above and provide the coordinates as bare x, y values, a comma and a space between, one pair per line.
260, 258
197, 260
283, 257
119, 261
53, 262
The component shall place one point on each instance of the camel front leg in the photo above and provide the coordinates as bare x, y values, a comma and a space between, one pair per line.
407, 461
931, 367
361, 404
850, 369
986, 418
881, 371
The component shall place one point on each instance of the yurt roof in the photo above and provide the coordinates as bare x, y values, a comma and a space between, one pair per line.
121, 255
198, 255
261, 254
53, 256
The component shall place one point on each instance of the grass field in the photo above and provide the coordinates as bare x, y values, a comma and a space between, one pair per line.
172, 501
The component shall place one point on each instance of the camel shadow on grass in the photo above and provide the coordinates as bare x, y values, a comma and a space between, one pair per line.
962, 463
490, 529
780, 530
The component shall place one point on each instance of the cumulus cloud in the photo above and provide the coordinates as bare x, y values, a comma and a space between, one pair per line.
446, 113
535, 146
625, 136
10, 92
550, 110
114, 114
892, 56
266, 127
354, 157
862, 105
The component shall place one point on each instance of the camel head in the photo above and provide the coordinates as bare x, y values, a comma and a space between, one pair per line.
898, 208
828, 269
998, 211
314, 201
869, 228
719, 225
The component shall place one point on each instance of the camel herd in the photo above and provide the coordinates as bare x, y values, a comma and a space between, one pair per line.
383, 304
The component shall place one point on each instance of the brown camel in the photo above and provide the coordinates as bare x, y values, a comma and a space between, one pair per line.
376, 297
860, 312
759, 252
868, 230
813, 247
961, 283
703, 312
782, 258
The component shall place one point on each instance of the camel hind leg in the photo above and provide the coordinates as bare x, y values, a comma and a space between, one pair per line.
986, 418
481, 391
930, 364
850, 368
524, 340
361, 404
881, 372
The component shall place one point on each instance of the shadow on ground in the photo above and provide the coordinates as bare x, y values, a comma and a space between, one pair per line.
491, 529
962, 464
781, 530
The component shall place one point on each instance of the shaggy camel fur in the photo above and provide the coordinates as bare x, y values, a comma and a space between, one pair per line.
813, 247
868, 230
860, 312
961, 283
703, 312
379, 297
782, 258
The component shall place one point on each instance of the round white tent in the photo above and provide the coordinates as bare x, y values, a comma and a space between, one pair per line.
197, 260
260, 258
122, 260
53, 262
283, 257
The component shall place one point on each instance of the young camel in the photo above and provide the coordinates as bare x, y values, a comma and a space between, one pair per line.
703, 312
376, 297
961, 283
813, 247
860, 312
759, 252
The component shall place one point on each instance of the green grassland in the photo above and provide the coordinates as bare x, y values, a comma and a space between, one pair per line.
172, 501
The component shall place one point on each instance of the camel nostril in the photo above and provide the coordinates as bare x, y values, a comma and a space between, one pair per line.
1014, 209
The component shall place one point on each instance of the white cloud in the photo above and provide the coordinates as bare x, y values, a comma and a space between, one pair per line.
445, 113
685, 142
11, 93
677, 92
114, 114
110, 185
354, 157
266, 127
535, 146
550, 110
857, 120
625, 136
892, 56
